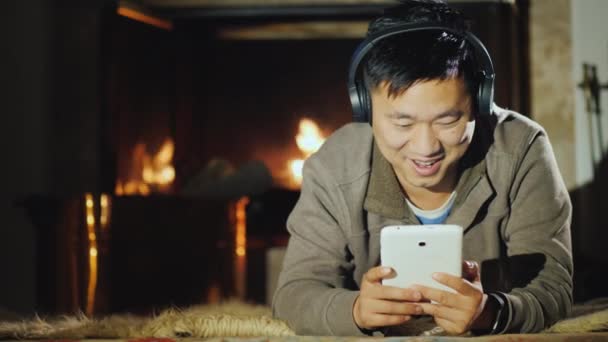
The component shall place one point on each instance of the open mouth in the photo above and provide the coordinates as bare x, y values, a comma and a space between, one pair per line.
426, 168
426, 164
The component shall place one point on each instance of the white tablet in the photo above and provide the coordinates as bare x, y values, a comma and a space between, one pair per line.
415, 252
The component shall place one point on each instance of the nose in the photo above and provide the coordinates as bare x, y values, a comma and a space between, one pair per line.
423, 141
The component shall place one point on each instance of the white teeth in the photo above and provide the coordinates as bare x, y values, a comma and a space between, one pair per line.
424, 163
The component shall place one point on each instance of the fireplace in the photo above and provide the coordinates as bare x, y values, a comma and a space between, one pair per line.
206, 115
226, 100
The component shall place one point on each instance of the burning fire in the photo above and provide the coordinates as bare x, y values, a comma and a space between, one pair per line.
149, 172
309, 139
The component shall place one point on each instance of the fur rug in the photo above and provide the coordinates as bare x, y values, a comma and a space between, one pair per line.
230, 319
591, 322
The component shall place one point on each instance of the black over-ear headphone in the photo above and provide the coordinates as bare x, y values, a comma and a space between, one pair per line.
360, 98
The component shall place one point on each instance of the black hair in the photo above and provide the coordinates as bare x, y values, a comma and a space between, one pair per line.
404, 59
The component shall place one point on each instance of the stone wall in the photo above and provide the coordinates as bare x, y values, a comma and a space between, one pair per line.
552, 100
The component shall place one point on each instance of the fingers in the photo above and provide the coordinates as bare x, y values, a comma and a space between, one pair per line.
379, 305
393, 308
376, 274
454, 312
439, 296
370, 313
381, 320
465, 299
452, 320
440, 311
373, 288
394, 293
456, 283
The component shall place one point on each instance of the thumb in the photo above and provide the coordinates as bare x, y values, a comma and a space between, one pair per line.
376, 274
470, 271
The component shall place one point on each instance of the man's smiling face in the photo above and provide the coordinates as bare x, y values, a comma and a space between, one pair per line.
424, 131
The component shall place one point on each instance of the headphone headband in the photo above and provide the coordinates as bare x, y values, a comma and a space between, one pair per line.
359, 95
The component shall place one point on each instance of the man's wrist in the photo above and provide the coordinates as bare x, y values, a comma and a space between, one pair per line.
485, 320
491, 320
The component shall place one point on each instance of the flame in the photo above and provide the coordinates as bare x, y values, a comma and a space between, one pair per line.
241, 226
104, 215
296, 166
309, 139
149, 172
92, 281
91, 211
144, 17
240, 266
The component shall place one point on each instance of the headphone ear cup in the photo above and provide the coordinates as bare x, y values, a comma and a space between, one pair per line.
366, 102
485, 94
359, 100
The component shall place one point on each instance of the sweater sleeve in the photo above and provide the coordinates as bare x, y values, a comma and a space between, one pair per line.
314, 292
539, 229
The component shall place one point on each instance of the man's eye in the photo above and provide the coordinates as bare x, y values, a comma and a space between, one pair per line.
448, 121
404, 124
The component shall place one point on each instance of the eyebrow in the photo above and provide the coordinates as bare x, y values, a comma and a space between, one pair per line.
401, 115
